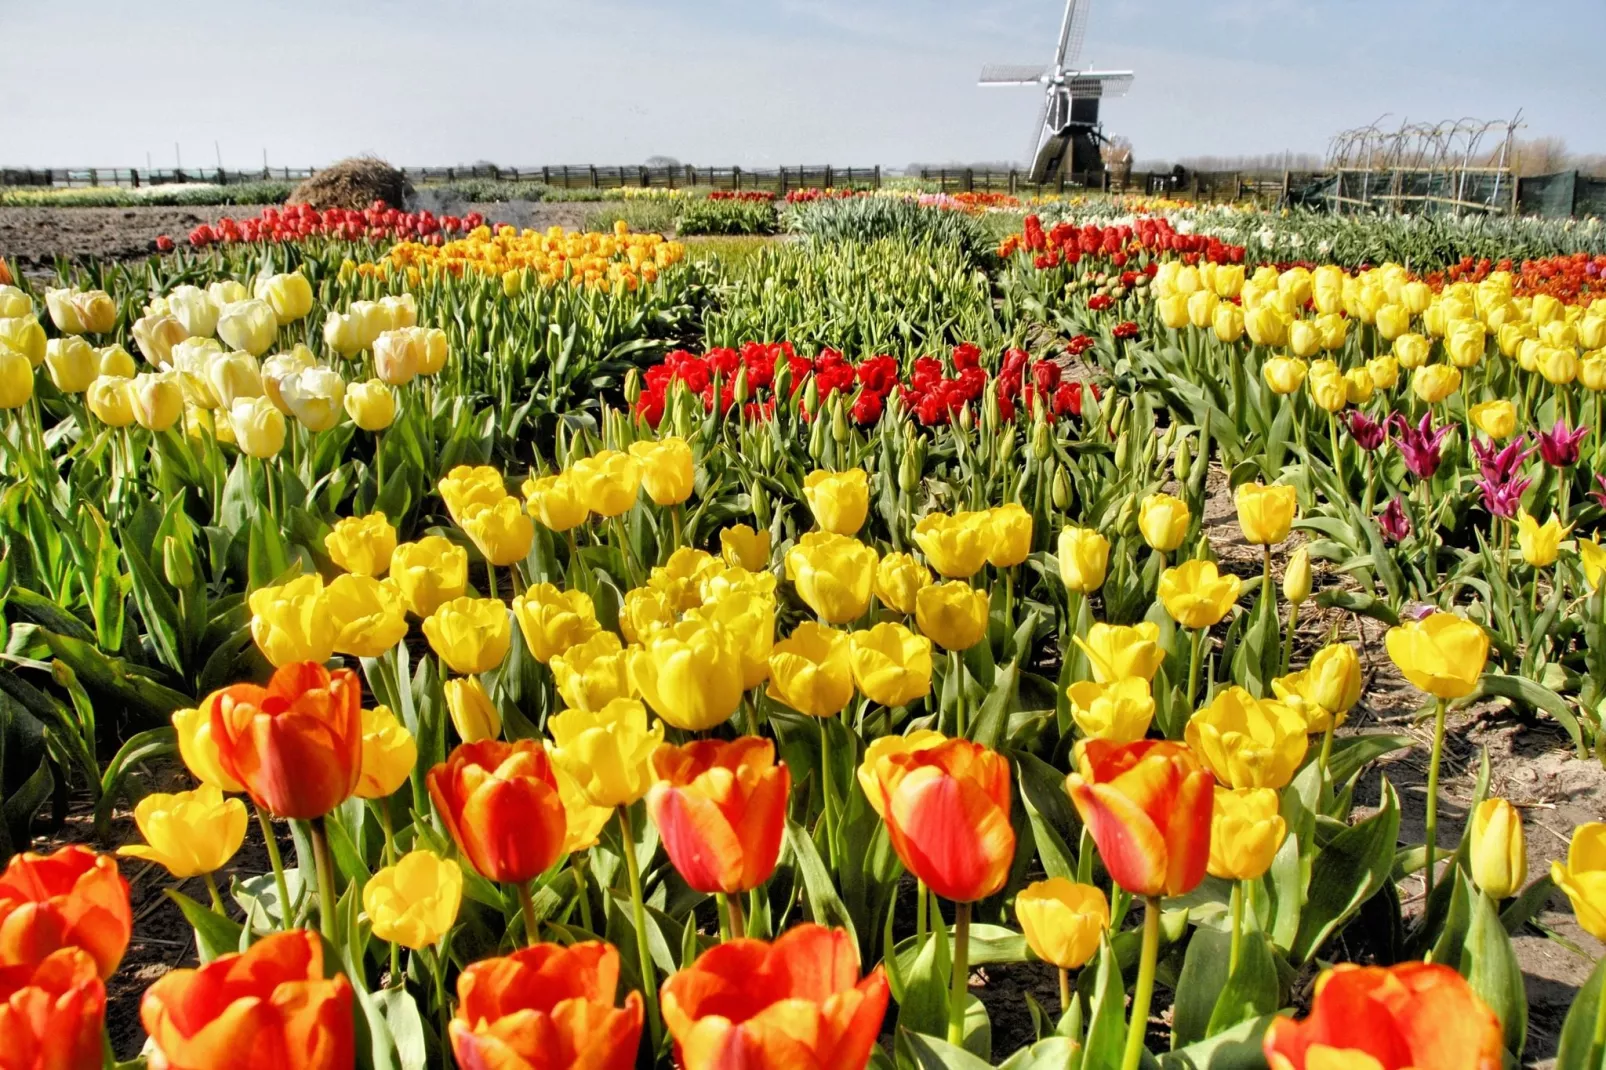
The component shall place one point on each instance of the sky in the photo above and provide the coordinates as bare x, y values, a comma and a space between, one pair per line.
757, 83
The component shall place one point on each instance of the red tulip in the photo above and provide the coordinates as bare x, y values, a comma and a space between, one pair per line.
1147, 805
795, 1004
947, 813
721, 810
1412, 1016
296, 744
269, 1008
500, 803
72, 898
546, 1007
51, 1014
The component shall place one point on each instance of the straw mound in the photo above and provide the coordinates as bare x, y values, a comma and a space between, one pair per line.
354, 183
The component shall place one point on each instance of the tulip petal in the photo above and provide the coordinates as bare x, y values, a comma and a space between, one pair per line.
951, 834
1132, 848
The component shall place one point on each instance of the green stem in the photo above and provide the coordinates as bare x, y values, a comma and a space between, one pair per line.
527, 912
217, 899
276, 860
383, 806
920, 912
1597, 1046
1237, 926
827, 815
1288, 640
1065, 990
961, 975
1132, 1058
733, 907
956, 663
1327, 742
1432, 820
1195, 648
577, 861
1338, 452
395, 965
649, 986
326, 879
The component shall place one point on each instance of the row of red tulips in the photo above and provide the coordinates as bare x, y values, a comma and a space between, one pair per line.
298, 222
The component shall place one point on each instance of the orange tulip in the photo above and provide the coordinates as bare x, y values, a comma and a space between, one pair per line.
546, 1007
795, 1003
1147, 805
947, 813
72, 898
721, 809
269, 1006
500, 802
1407, 1017
296, 744
51, 1014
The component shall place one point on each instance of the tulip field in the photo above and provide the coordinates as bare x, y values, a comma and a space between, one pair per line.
950, 635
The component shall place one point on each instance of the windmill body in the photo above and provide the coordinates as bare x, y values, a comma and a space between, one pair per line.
1068, 132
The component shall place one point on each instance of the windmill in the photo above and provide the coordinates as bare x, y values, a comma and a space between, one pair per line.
1069, 121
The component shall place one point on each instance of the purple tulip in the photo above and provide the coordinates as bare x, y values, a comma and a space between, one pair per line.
1499, 465
1559, 446
1503, 498
1600, 495
1419, 445
1395, 524
1367, 432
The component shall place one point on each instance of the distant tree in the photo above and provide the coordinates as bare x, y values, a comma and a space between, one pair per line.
662, 161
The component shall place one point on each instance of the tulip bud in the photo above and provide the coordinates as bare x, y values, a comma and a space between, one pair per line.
909, 473
1061, 490
178, 563
817, 440
1297, 578
1006, 444
741, 391
1042, 445
1123, 449
1499, 852
811, 396
839, 421
1182, 464
632, 386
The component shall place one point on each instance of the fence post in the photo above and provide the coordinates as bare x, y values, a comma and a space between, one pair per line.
877, 176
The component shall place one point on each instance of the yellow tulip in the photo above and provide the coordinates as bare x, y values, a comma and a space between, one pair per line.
1265, 514
1119, 711
1228, 323
155, 336
1296, 577
898, 580
362, 544
1558, 366
608, 752
1442, 654
1592, 331
1247, 742
1064, 922
1196, 595
474, 715
1202, 306
1327, 386
953, 615
1284, 375
840, 501
1266, 326
259, 428
749, 621
592, 673
188, 833
812, 670
1358, 386
1173, 310
553, 620
399, 354
389, 753
16, 378
289, 295
465, 487
645, 610
1412, 350
232, 376
1593, 557
1245, 832
1116, 651
471, 635
1084, 555
1540, 543
1334, 678
682, 576
371, 405
891, 664
429, 573
1327, 288
193, 730
107, 398
740, 545
1384, 372
667, 469
555, 502
1499, 856
1164, 521
1583, 878
72, 363
607, 482
414, 903
690, 674
833, 574
584, 822
1392, 321
1592, 370
1304, 340
23, 334
369, 615
1497, 419
955, 546
502, 531
1228, 280
249, 325
1334, 330
1436, 382
291, 622
1464, 341
314, 397
1011, 527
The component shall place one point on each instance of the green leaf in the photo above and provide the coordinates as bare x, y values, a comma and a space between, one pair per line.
929, 1053
214, 935
1490, 965
924, 1006
1106, 1026
1252, 990
1351, 754
1521, 910
1199, 986
1347, 872
406, 1027
1536, 696
1051, 1053
1236, 1049
825, 905
1359, 602
1578, 1031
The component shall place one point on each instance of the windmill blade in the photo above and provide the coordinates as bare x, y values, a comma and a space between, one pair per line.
1100, 84
1013, 74
1039, 133
1073, 31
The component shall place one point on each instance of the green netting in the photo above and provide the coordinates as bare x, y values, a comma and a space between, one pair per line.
1550, 196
